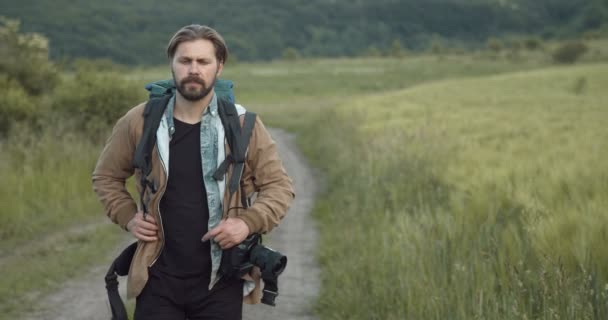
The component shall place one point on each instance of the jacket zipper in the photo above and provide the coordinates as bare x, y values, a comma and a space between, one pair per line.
162, 229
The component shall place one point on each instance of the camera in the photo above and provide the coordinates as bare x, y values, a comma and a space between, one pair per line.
240, 259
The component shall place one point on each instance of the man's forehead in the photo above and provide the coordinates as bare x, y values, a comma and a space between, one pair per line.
195, 49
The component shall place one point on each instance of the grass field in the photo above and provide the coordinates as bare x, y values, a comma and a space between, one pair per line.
464, 199
44, 180
51, 222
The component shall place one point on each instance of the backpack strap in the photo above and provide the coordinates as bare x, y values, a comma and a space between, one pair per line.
238, 140
155, 108
120, 267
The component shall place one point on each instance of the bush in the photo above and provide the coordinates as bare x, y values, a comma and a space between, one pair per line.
533, 43
372, 51
437, 47
96, 99
397, 49
494, 45
25, 58
515, 44
15, 105
592, 35
569, 52
291, 54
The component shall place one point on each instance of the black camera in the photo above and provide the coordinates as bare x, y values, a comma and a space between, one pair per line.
238, 261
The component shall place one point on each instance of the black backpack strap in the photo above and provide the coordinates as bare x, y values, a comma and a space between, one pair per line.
120, 267
238, 140
153, 113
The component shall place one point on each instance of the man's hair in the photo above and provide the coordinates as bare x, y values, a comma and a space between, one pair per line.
198, 32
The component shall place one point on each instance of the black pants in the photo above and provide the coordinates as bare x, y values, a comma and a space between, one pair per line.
170, 298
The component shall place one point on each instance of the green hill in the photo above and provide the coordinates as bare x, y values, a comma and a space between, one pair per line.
135, 32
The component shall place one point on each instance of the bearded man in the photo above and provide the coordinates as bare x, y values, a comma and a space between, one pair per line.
191, 219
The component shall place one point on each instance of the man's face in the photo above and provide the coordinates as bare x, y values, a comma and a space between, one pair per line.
195, 69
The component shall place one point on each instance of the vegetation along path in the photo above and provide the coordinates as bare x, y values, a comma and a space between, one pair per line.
85, 297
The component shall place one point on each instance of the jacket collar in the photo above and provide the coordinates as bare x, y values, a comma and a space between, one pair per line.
211, 109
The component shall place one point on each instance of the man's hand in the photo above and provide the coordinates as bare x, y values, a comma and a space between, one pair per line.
228, 233
144, 230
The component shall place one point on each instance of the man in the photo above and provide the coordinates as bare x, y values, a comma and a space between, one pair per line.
191, 217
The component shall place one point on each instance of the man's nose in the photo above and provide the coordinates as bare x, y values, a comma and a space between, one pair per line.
193, 68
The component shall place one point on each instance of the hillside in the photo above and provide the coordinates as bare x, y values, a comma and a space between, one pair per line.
135, 32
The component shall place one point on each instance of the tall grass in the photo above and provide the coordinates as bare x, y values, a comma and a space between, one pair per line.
481, 198
46, 182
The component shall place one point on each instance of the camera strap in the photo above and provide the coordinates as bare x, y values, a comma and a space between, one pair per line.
271, 290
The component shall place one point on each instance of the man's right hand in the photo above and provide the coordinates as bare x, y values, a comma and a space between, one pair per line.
144, 230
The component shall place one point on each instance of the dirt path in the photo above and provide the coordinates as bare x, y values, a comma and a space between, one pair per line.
85, 297
296, 237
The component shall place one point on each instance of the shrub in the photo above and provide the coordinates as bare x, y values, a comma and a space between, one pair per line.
592, 35
532, 43
397, 49
15, 104
372, 51
25, 58
569, 52
494, 45
291, 54
96, 99
515, 44
437, 47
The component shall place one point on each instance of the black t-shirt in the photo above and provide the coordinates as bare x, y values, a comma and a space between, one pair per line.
183, 208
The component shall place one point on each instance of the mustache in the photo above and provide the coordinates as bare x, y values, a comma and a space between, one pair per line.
193, 79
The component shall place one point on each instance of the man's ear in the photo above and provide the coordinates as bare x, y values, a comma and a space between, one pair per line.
220, 67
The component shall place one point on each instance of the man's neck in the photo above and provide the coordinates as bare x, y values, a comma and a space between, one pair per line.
190, 111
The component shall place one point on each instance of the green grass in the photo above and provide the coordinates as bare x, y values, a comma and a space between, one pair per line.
470, 198
46, 196
46, 184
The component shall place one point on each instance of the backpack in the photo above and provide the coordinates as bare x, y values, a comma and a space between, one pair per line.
238, 140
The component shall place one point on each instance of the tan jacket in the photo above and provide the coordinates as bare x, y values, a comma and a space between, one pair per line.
263, 173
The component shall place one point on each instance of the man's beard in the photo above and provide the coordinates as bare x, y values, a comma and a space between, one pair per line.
193, 94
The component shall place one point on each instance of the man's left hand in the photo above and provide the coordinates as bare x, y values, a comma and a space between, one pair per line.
228, 233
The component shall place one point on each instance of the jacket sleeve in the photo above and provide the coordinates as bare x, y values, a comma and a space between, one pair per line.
273, 185
113, 168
